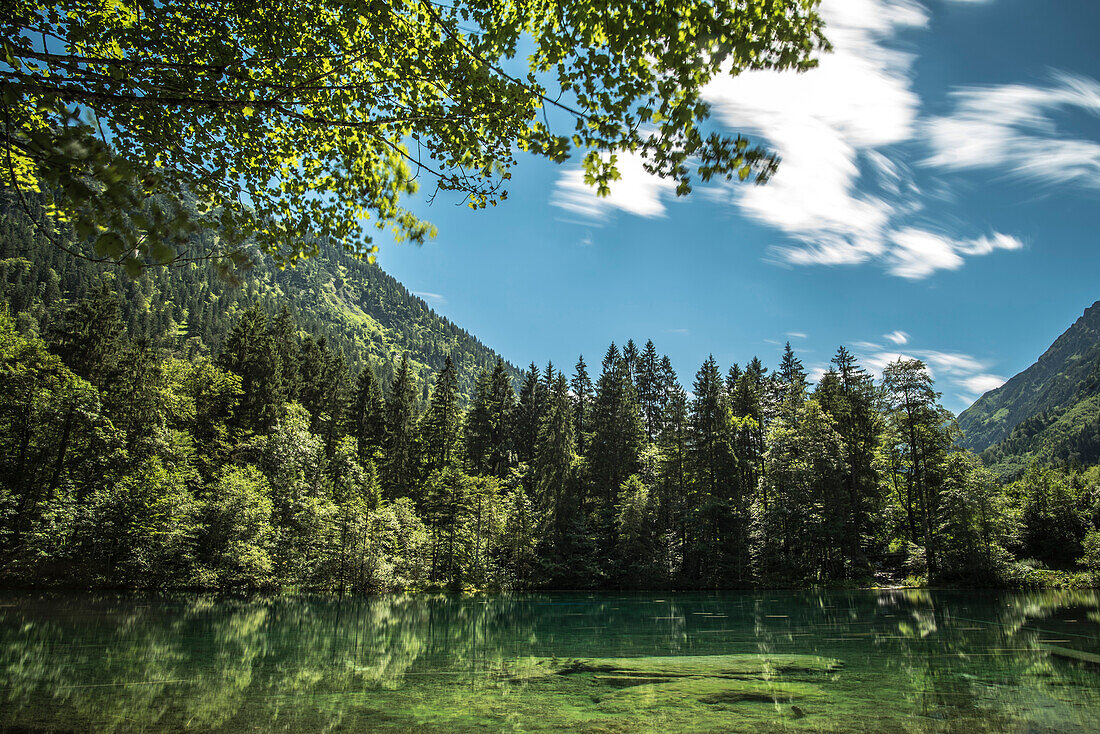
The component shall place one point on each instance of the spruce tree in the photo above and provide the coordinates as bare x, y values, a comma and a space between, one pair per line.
848, 394
368, 416
617, 436
717, 502
672, 496
489, 422
649, 389
477, 422
250, 352
91, 335
528, 414
439, 427
555, 451
792, 384
581, 387
920, 426
400, 445
631, 359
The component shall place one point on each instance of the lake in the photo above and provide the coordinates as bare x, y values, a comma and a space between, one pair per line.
858, 661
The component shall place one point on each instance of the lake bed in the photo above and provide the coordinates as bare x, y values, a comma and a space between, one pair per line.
851, 661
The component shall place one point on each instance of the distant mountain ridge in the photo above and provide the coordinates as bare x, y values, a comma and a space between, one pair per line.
359, 309
1050, 412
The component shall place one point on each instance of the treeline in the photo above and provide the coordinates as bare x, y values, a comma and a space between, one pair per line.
274, 464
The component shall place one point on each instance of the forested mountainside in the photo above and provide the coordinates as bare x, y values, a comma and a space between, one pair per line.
359, 310
171, 431
1049, 413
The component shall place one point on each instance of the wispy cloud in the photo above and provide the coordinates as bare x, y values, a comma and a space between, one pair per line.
965, 376
978, 385
824, 124
636, 192
830, 126
678, 331
1014, 127
897, 337
796, 335
918, 253
843, 195
434, 298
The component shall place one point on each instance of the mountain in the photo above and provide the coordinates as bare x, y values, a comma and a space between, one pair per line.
1048, 413
188, 310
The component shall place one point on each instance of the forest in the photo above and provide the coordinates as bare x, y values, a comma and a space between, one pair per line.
272, 461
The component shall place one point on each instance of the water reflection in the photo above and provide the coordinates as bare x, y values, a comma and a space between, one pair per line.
816, 661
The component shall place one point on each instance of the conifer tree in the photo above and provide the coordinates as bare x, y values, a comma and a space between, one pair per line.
610, 357
617, 436
528, 414
489, 421
439, 426
250, 352
91, 335
631, 359
284, 334
368, 416
732, 376
717, 502
672, 496
400, 445
555, 452
919, 423
649, 389
792, 383
847, 392
581, 387
477, 423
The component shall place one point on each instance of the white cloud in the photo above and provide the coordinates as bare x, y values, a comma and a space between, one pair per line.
897, 337
833, 124
966, 376
978, 385
841, 189
1012, 126
636, 192
435, 298
824, 124
918, 253
796, 335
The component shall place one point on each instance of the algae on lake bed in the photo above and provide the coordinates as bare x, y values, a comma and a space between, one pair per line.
795, 662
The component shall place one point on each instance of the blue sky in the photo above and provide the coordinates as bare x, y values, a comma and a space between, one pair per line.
939, 197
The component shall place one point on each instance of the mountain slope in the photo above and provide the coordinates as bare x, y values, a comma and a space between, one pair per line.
356, 306
1050, 412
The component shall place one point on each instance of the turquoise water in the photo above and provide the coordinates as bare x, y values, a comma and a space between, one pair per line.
868, 661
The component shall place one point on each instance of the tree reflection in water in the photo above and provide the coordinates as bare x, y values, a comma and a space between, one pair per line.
813, 661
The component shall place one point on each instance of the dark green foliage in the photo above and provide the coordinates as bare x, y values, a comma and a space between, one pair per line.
190, 309
135, 461
489, 423
581, 387
399, 468
528, 414
615, 445
368, 417
439, 434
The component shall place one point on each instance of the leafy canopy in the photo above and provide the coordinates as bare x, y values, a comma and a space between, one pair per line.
292, 122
